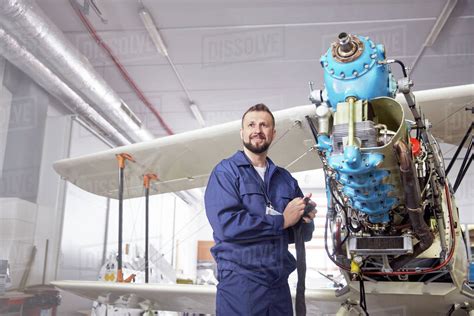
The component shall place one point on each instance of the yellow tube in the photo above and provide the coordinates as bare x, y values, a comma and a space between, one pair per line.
351, 133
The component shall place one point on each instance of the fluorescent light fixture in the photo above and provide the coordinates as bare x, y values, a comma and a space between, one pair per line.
197, 114
152, 29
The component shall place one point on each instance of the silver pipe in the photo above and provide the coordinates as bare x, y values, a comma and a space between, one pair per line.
79, 121
24, 60
28, 23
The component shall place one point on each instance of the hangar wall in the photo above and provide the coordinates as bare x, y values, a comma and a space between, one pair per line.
31, 140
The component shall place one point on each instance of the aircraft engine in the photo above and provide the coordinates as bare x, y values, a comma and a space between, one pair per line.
384, 173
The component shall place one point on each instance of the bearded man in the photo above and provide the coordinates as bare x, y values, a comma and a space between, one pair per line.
251, 203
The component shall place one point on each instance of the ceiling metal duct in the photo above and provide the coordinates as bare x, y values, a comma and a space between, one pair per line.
24, 60
49, 59
25, 21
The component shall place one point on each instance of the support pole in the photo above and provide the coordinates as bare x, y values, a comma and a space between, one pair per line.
146, 183
121, 158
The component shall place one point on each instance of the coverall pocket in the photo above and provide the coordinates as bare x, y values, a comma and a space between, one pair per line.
250, 188
253, 198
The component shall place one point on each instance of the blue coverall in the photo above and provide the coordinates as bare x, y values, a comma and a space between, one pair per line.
251, 248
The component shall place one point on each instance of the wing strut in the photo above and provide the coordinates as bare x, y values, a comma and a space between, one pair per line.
146, 183
121, 159
466, 163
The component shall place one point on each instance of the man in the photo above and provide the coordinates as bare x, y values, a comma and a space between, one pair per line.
252, 206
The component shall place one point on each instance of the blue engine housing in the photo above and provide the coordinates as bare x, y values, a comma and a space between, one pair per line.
363, 78
363, 75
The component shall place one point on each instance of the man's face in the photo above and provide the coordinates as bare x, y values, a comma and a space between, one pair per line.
257, 131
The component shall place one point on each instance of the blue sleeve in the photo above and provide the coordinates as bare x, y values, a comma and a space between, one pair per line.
228, 217
308, 228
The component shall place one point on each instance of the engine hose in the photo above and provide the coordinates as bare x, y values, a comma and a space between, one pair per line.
326, 227
413, 205
404, 70
451, 251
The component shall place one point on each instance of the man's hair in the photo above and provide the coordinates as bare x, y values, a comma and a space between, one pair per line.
259, 107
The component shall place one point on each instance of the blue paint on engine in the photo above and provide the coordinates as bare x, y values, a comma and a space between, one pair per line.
364, 78
362, 182
324, 143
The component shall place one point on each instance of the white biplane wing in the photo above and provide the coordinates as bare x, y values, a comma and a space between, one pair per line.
382, 297
184, 161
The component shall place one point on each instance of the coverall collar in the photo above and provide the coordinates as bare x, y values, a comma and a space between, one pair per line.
241, 159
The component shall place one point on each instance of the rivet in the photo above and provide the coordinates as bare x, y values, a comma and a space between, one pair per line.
355, 73
366, 66
331, 71
343, 75
373, 56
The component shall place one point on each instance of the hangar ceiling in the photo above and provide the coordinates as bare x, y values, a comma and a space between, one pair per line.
232, 54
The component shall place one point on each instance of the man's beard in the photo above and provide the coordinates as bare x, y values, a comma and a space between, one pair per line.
257, 149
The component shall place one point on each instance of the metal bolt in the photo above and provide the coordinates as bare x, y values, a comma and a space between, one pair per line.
355, 73
366, 66
343, 75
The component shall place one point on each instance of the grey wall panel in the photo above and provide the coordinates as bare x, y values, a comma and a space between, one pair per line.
23, 149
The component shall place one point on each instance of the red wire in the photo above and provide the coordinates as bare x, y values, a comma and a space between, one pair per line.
122, 69
445, 262
438, 267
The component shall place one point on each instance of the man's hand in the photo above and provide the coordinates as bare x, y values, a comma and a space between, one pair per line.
311, 205
294, 210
